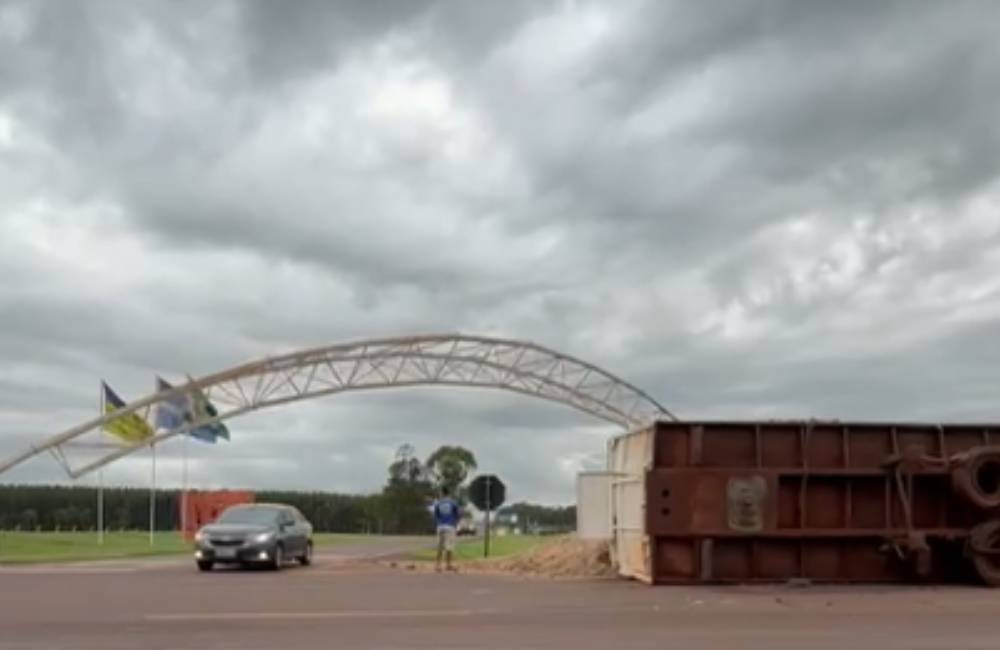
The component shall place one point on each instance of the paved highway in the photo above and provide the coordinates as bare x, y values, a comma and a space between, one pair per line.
344, 601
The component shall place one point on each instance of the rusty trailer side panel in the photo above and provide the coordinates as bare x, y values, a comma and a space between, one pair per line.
826, 501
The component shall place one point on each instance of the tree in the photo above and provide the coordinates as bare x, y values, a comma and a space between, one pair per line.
29, 519
70, 518
450, 466
406, 469
406, 496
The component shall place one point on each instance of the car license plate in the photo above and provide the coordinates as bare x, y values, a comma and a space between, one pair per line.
225, 553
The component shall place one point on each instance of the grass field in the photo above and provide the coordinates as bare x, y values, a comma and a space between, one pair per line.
472, 549
27, 548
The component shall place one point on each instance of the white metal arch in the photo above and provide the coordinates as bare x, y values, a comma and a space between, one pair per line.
437, 359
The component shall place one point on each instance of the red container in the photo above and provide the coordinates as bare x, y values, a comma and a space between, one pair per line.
204, 507
823, 501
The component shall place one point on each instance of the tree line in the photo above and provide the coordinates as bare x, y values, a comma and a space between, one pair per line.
536, 518
55, 507
401, 507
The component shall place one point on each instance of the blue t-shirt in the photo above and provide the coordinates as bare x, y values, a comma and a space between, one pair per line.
446, 513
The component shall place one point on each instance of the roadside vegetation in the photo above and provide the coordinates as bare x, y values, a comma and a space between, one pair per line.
18, 547
399, 508
52, 523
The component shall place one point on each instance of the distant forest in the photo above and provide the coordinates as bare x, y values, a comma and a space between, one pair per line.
45, 507
400, 508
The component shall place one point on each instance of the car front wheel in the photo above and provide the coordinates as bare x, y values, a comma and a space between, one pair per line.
205, 565
307, 557
277, 558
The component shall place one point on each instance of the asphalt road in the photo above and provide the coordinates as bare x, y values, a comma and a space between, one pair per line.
345, 602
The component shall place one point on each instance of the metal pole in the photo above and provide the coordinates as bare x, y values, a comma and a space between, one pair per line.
152, 497
100, 480
489, 506
184, 486
100, 508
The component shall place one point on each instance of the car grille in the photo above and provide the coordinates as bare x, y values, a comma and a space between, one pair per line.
226, 542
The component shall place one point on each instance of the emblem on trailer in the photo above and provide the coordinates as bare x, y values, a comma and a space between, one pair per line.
745, 503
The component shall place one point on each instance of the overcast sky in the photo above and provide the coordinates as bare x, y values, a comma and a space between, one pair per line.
749, 209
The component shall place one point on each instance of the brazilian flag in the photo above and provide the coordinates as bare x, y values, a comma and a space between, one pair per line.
130, 428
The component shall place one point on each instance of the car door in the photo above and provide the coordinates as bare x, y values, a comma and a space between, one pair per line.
303, 526
294, 538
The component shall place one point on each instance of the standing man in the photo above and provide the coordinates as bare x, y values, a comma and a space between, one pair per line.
446, 516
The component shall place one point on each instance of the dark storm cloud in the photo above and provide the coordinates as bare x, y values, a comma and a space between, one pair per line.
748, 209
782, 107
281, 45
952, 377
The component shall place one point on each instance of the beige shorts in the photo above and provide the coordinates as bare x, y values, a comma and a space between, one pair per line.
446, 538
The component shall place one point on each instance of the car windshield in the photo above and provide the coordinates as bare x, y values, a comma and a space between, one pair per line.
261, 516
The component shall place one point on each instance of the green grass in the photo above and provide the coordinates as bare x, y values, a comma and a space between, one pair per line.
28, 548
472, 549
324, 540
25, 548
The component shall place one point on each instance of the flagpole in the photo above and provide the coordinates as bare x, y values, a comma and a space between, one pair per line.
100, 481
152, 496
100, 507
184, 485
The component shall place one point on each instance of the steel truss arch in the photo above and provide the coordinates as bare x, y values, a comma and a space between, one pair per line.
437, 359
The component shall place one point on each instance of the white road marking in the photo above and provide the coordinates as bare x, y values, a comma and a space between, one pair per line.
65, 570
111, 565
306, 616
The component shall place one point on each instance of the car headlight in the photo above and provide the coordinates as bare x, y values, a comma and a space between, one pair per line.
260, 538
201, 536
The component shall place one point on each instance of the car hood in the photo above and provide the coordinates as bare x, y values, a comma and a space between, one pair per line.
235, 530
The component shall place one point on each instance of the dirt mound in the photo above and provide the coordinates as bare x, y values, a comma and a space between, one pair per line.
562, 557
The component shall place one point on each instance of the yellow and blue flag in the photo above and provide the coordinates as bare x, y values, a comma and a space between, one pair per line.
131, 427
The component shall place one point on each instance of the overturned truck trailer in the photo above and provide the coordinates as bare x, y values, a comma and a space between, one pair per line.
824, 501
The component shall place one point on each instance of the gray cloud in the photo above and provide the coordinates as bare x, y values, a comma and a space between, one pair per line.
763, 209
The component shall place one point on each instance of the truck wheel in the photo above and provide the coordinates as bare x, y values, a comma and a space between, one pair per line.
984, 549
976, 476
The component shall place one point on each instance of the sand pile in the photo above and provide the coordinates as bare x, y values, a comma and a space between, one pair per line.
562, 557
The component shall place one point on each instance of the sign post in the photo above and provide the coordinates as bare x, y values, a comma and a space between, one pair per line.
486, 542
487, 493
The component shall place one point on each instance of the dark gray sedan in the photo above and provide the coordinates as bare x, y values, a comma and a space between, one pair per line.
255, 534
